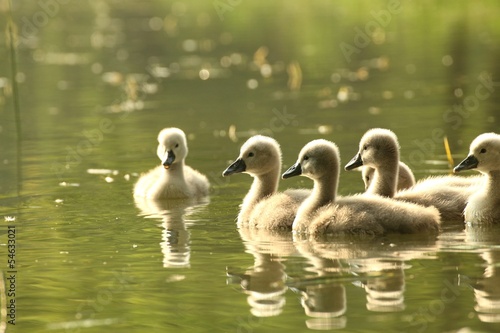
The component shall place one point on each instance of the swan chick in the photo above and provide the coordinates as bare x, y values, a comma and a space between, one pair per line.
172, 179
324, 213
484, 156
405, 177
264, 207
379, 149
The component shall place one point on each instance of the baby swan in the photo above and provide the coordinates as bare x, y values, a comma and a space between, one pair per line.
323, 213
172, 179
263, 207
484, 156
379, 149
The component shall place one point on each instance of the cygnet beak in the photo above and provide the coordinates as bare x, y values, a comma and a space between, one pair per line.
167, 162
236, 167
294, 170
354, 163
470, 162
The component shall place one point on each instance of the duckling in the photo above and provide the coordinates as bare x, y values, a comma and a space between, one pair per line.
264, 207
379, 149
172, 179
323, 213
484, 155
406, 179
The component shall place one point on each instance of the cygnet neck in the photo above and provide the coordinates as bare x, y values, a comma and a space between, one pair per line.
325, 189
263, 185
323, 193
385, 178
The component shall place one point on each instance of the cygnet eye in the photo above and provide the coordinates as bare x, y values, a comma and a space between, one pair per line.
306, 158
251, 154
365, 147
176, 145
482, 151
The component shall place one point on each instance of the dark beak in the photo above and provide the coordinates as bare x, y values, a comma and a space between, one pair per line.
236, 167
470, 162
169, 160
354, 163
294, 170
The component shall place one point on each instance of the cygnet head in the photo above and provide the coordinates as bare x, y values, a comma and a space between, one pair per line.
172, 146
484, 154
377, 148
258, 155
317, 159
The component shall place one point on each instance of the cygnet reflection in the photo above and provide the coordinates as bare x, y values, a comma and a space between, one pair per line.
175, 218
322, 290
265, 281
377, 265
385, 285
487, 287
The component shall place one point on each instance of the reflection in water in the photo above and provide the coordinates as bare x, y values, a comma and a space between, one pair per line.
174, 214
326, 305
376, 265
323, 295
487, 287
385, 289
265, 281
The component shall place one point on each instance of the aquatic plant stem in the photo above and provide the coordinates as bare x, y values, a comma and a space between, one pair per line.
15, 96
451, 163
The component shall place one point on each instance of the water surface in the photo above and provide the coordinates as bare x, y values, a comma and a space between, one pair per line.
99, 79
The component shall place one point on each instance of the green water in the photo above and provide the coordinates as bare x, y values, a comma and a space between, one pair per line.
97, 81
